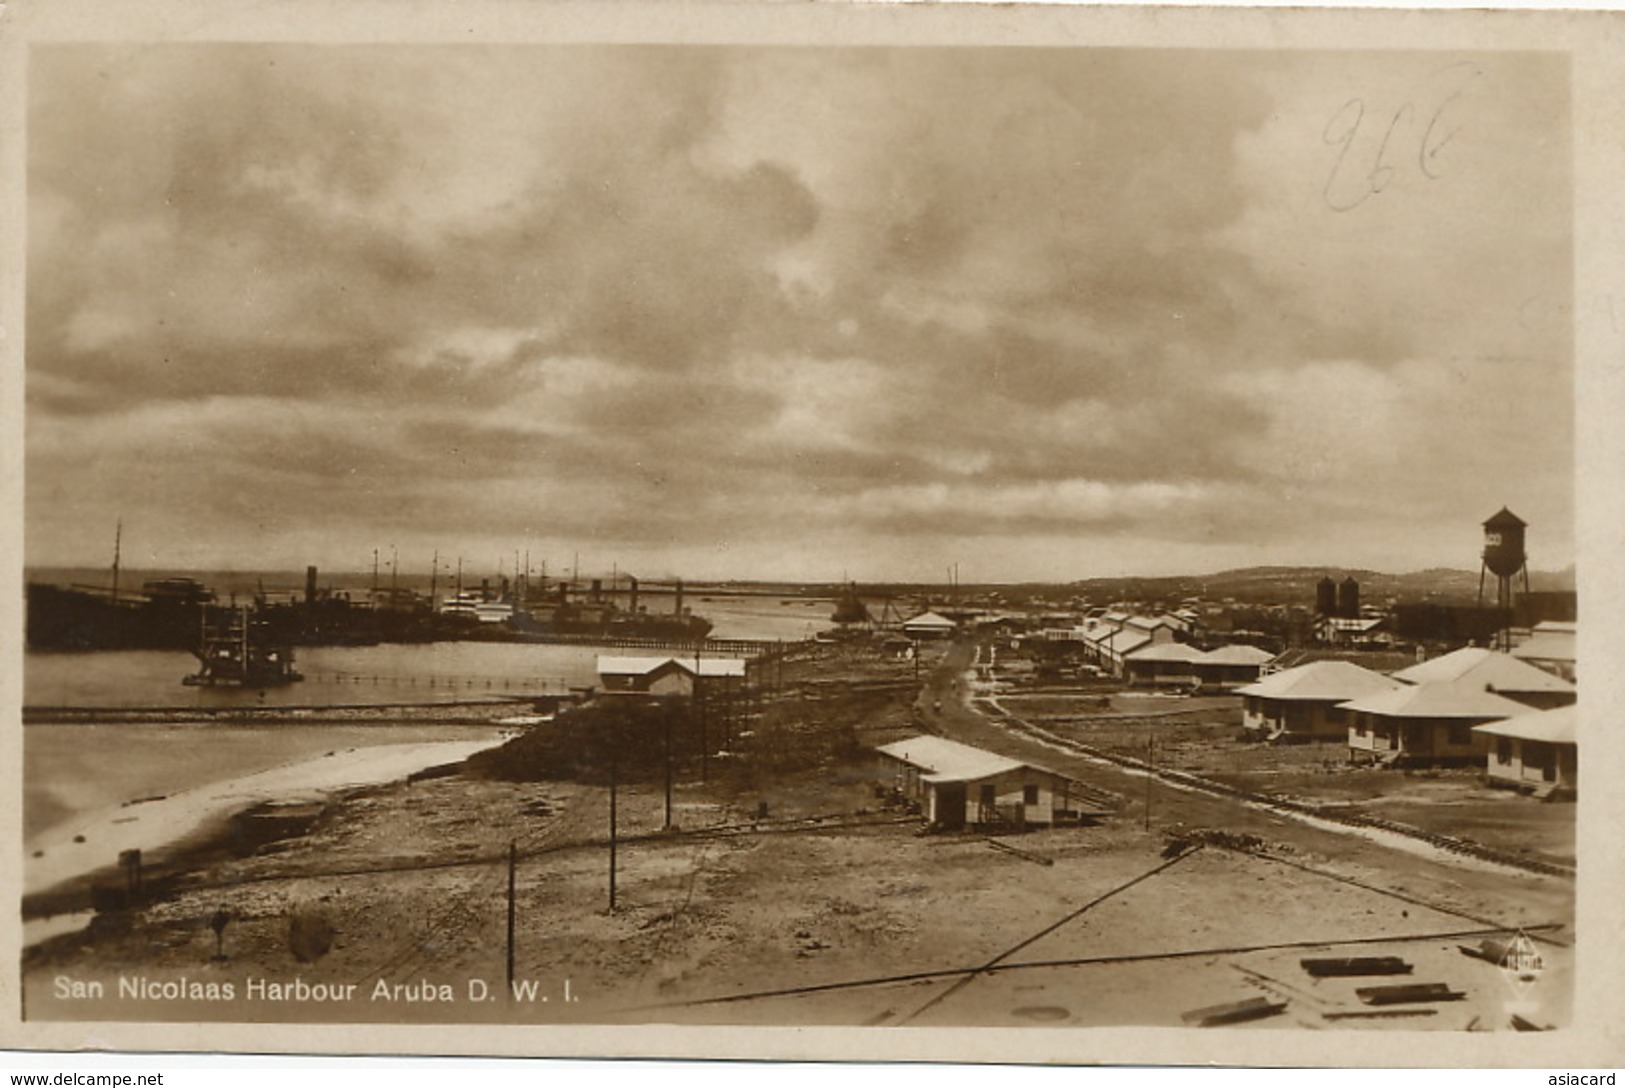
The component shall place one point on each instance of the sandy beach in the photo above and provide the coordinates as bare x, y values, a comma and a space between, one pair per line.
93, 841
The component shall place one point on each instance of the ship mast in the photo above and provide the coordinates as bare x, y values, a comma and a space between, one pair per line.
118, 540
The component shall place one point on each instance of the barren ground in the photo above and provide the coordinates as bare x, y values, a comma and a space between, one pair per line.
832, 909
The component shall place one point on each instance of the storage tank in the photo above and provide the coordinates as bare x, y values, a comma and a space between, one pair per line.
1326, 596
1348, 598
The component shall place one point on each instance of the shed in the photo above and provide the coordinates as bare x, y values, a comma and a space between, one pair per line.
957, 785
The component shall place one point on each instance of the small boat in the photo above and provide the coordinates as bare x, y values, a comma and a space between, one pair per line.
1234, 1012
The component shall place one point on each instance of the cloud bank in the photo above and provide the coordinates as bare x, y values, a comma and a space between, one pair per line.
779, 312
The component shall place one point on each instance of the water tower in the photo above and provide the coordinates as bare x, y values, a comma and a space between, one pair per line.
1505, 558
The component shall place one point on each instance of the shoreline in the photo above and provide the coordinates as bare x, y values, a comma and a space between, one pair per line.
62, 863
450, 712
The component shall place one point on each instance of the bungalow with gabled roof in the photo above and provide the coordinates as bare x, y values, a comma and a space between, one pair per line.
1305, 703
1490, 670
1537, 751
1424, 723
957, 785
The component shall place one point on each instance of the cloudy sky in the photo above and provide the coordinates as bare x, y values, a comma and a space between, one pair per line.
778, 312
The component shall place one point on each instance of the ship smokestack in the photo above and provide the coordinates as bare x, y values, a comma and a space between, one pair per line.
310, 586
678, 610
632, 594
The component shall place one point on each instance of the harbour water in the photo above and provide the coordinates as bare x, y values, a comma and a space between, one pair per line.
71, 770
383, 674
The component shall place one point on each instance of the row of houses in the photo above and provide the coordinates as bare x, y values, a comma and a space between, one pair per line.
1442, 711
1150, 650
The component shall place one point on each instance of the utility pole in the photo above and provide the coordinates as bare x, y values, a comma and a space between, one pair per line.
513, 864
614, 783
699, 710
667, 715
1150, 777
118, 540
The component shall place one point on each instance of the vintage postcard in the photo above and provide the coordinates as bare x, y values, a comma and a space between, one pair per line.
940, 532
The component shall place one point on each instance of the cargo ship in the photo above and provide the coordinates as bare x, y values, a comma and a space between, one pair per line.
170, 613
164, 616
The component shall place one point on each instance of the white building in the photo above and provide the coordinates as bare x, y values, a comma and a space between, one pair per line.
960, 786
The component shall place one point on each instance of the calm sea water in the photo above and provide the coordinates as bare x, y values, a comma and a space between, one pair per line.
72, 769
370, 675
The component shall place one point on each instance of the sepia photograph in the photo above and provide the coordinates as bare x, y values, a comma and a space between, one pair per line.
1029, 525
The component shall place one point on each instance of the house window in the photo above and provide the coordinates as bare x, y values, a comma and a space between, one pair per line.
1503, 750
1029, 795
1362, 725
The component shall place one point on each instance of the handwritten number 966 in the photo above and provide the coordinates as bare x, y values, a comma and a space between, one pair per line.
1373, 146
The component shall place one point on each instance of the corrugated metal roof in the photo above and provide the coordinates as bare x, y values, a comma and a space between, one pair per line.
1483, 668
945, 760
1552, 726
1437, 700
1321, 681
930, 619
